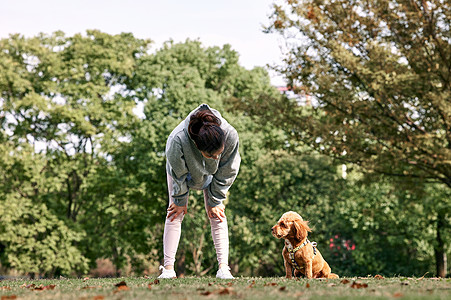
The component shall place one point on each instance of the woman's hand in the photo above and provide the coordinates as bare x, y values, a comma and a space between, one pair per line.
216, 212
175, 211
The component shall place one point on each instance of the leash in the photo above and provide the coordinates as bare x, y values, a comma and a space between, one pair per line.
291, 253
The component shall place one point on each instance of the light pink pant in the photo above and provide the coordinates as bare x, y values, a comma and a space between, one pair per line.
172, 231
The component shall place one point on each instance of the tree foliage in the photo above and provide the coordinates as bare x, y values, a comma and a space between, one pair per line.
66, 98
173, 82
378, 76
33, 238
84, 122
380, 73
393, 230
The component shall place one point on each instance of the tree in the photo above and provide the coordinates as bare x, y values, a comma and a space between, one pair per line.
379, 73
67, 98
388, 227
171, 83
277, 182
32, 238
70, 101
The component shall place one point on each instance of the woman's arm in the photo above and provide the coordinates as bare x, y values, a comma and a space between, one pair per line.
227, 171
176, 168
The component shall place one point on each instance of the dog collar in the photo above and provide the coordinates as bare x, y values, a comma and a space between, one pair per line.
299, 247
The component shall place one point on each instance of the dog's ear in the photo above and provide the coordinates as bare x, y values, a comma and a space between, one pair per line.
301, 228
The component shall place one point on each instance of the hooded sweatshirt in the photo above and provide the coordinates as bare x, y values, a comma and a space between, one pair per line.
190, 169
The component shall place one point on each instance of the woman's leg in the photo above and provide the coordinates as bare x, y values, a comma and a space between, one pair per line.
171, 235
220, 234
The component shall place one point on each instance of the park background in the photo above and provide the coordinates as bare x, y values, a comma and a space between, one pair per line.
358, 140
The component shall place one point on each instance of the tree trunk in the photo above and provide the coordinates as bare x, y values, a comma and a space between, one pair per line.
69, 198
181, 264
440, 254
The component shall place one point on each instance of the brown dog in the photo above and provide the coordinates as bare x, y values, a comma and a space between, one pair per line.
299, 253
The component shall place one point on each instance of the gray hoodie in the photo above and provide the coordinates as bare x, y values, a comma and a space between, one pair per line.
190, 169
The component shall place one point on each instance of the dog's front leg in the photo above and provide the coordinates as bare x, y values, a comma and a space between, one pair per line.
288, 268
308, 269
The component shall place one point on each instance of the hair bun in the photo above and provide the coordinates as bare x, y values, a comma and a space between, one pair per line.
194, 125
204, 128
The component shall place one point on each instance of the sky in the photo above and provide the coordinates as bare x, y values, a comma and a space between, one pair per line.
212, 22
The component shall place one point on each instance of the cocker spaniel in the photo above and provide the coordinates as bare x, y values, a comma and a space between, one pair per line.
299, 253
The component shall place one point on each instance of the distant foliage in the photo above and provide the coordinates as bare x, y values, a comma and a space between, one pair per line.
37, 241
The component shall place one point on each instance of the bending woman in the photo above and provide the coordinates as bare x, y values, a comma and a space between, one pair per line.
202, 154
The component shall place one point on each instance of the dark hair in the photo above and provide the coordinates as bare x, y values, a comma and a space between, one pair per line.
204, 128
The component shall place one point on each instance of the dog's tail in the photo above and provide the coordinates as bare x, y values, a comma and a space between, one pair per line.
333, 276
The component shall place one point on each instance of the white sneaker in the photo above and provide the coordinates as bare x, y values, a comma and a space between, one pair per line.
224, 273
167, 273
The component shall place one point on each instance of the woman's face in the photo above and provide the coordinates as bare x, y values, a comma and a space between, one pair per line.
214, 155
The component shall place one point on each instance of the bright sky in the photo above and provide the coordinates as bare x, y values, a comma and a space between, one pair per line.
213, 22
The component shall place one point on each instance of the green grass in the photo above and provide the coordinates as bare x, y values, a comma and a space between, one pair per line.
240, 288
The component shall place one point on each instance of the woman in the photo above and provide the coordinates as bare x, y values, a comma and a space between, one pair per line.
202, 154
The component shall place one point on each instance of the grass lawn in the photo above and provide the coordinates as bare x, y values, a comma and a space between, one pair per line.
241, 288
